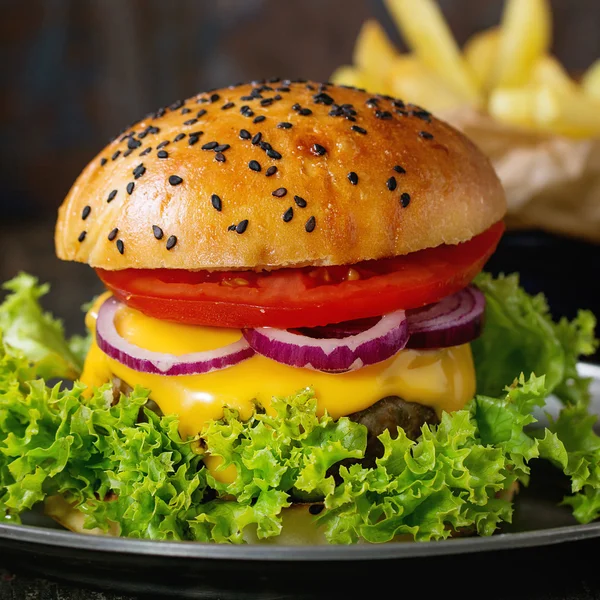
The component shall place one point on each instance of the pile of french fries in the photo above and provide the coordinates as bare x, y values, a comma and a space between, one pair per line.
507, 72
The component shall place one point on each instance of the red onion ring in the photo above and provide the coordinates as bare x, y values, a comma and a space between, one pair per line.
384, 339
455, 320
115, 346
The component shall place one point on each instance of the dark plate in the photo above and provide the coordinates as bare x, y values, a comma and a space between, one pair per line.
196, 570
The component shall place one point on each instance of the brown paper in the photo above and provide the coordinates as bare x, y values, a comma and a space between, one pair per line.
552, 182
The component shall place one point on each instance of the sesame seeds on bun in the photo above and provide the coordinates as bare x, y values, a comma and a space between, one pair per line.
277, 174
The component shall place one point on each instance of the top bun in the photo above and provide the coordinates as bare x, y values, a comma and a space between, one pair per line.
277, 174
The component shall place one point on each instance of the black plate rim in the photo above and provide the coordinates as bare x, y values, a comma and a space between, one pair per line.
39, 536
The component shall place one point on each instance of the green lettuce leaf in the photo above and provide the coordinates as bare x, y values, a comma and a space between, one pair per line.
519, 336
27, 329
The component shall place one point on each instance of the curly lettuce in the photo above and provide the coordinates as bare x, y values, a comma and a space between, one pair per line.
123, 466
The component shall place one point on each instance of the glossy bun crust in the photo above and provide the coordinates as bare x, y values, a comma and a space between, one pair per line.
358, 176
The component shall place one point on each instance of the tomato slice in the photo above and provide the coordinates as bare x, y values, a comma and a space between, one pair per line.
307, 296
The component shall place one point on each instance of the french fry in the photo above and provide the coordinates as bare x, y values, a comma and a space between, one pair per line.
546, 109
515, 106
426, 32
573, 115
412, 82
373, 51
590, 81
480, 52
547, 71
525, 36
348, 75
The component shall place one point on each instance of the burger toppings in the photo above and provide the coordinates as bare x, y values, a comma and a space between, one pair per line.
139, 359
453, 321
373, 345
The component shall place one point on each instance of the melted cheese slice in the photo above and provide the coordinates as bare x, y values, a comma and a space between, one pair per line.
443, 379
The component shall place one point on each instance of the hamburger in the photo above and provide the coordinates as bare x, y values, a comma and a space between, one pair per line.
284, 349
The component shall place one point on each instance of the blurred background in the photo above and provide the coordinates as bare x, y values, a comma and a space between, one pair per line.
75, 72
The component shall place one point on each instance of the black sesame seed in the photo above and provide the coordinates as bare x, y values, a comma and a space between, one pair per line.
296, 107
82, 236
111, 196
177, 104
85, 213
201, 112
171, 242
185, 111
246, 98
284, 125
323, 98
220, 157
399, 104
232, 227
190, 122
264, 145
282, 89
142, 134
227, 106
421, 114
248, 112
259, 119
315, 509
301, 202
178, 137
383, 114
130, 187
139, 171
358, 129
214, 97
210, 145
194, 137
103, 161
132, 143
153, 129
120, 246
336, 112
242, 226
245, 134
158, 232
222, 147
405, 200
399, 169
305, 112
113, 234
175, 179
279, 192
256, 139
216, 202
162, 154
146, 151
273, 154
391, 184
163, 144
310, 225
349, 118
254, 165
128, 152
115, 155
271, 171
318, 149
352, 178
426, 135
159, 113
288, 215
266, 101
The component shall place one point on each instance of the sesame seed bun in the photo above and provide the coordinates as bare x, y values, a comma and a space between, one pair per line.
274, 175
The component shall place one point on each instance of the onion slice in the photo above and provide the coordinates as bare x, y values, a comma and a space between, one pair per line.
375, 344
115, 346
455, 320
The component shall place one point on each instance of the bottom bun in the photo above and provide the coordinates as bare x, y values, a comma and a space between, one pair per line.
298, 523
